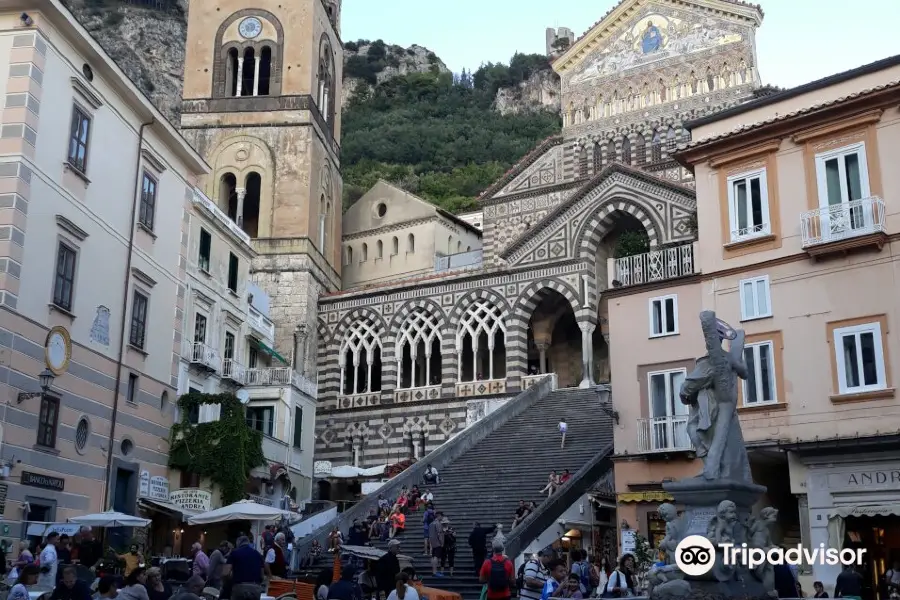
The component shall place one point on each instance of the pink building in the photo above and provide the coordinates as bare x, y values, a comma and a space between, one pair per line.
798, 213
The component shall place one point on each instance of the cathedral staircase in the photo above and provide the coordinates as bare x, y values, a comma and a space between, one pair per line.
488, 476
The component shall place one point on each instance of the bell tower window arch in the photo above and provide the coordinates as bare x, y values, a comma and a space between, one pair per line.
245, 65
325, 81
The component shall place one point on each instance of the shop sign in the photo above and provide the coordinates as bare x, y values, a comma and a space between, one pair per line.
144, 490
192, 499
159, 488
43, 481
260, 500
629, 541
322, 468
860, 478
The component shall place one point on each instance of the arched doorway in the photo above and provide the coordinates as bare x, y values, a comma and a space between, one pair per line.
625, 237
554, 340
324, 489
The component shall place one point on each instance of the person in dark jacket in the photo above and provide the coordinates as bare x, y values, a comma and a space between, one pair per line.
387, 568
849, 584
71, 588
478, 544
785, 584
346, 588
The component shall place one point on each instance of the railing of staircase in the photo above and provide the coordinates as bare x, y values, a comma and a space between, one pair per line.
549, 510
440, 457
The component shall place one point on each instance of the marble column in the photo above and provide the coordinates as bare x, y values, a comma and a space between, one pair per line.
256, 62
241, 194
542, 348
587, 353
239, 75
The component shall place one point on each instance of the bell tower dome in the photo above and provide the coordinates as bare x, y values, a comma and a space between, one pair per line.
261, 103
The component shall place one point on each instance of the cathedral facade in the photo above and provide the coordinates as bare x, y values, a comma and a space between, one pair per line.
433, 331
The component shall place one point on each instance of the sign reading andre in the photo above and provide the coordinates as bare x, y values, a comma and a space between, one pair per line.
191, 499
43, 481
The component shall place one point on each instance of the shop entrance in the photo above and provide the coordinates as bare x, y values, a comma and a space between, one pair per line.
880, 537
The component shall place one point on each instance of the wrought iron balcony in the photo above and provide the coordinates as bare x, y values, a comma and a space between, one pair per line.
656, 265
663, 434
201, 199
279, 376
842, 222
202, 355
261, 325
233, 370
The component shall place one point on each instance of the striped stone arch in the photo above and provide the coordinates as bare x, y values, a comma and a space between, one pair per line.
597, 225
328, 372
391, 375
534, 293
450, 367
354, 315
419, 303
465, 300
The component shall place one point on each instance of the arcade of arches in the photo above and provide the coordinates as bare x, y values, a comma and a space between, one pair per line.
241, 203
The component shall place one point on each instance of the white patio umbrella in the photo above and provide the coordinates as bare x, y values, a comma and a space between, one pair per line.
242, 510
110, 518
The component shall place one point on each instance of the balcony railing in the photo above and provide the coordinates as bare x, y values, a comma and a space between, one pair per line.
656, 265
844, 221
471, 259
279, 376
663, 434
261, 324
201, 199
233, 370
199, 353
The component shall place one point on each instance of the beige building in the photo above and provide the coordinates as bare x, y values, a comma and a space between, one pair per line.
392, 234
86, 297
798, 208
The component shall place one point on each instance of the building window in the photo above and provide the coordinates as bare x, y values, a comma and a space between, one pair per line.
252, 357
199, 328
379, 249
410, 243
298, 427
132, 391
262, 418
759, 388
148, 201
668, 414
396, 246
843, 175
205, 250
194, 411
365, 252
82, 432
78, 140
860, 358
663, 316
626, 150
229, 346
748, 205
139, 303
232, 272
349, 255
756, 302
48, 419
64, 284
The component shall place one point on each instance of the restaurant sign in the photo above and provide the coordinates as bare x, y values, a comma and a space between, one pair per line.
43, 481
155, 488
192, 499
260, 500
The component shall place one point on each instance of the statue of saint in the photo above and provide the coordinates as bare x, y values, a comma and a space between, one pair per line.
652, 39
710, 391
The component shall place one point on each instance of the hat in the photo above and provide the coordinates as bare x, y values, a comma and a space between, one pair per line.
393, 543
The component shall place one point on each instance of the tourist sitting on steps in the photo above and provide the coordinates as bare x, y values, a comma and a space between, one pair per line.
431, 476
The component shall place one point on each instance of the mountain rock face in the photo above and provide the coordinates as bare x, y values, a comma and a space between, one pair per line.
148, 44
539, 92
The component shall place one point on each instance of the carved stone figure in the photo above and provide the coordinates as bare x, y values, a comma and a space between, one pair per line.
761, 537
711, 393
669, 514
721, 531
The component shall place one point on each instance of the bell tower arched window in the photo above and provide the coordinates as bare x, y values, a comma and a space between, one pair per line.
323, 224
250, 47
325, 99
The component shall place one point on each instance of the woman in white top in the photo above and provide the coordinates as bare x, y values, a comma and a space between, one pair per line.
28, 576
403, 591
563, 427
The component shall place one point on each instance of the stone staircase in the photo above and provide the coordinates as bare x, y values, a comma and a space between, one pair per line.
486, 483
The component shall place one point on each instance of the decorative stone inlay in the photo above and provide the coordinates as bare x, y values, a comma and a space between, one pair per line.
432, 392
471, 389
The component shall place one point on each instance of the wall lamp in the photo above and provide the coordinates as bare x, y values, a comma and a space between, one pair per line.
46, 377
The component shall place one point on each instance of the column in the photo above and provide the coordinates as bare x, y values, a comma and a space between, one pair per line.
256, 62
587, 353
239, 75
803, 510
490, 357
542, 348
342, 384
241, 194
370, 356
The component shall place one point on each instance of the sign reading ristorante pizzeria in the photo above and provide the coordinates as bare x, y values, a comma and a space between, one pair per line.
43, 481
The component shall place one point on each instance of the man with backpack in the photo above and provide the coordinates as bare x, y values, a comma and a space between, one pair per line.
498, 573
582, 568
535, 575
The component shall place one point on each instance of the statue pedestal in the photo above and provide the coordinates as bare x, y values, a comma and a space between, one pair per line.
700, 499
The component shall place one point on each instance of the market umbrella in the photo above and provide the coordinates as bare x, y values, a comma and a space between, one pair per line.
110, 518
243, 510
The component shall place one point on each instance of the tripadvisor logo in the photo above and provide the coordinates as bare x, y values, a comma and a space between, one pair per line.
695, 555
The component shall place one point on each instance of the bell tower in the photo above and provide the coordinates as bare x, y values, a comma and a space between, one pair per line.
261, 102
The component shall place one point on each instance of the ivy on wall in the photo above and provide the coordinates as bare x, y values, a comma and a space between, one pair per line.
225, 450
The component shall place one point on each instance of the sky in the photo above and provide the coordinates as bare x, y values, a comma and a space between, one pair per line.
799, 40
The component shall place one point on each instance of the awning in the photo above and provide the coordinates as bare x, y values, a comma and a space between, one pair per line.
166, 507
271, 352
42, 529
649, 496
875, 510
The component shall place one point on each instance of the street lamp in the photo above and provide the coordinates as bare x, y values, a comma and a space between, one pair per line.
46, 378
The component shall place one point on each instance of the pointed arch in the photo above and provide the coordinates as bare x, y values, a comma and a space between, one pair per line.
240, 156
325, 98
595, 227
225, 67
531, 296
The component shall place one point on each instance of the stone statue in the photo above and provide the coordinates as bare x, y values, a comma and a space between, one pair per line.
721, 531
669, 514
761, 537
711, 393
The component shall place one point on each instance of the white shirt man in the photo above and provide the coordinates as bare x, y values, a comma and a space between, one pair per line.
49, 562
427, 497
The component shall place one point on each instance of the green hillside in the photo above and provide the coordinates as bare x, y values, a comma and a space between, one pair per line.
437, 136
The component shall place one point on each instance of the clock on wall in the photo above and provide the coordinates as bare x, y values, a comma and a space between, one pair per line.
250, 27
58, 350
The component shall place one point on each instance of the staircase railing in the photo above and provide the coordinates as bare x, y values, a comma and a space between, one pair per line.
550, 510
439, 458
